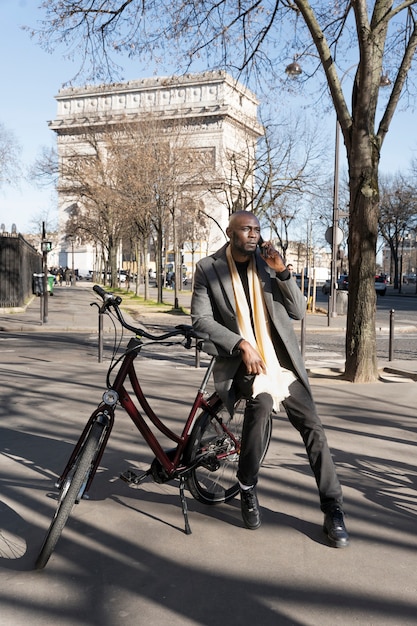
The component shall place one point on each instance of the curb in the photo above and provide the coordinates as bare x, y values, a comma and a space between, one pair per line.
400, 372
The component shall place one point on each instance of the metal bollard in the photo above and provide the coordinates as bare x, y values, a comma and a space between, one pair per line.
197, 355
100, 337
303, 336
391, 334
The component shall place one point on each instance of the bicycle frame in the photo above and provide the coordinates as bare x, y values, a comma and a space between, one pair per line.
105, 412
206, 440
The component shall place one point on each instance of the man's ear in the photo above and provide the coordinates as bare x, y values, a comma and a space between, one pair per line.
228, 232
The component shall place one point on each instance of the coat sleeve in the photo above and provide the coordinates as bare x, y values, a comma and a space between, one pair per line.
293, 298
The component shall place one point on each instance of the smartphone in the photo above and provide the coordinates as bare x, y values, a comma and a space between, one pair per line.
261, 249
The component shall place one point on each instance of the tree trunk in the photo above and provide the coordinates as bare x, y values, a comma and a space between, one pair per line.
394, 261
175, 248
361, 363
159, 263
113, 262
142, 254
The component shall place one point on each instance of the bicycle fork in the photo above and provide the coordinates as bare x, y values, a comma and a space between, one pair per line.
104, 415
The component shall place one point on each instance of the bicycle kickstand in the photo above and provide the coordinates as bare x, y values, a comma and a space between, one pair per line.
184, 506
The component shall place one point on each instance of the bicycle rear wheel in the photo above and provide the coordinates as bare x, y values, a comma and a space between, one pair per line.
72, 491
214, 481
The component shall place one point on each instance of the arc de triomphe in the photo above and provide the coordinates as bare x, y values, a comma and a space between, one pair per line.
216, 111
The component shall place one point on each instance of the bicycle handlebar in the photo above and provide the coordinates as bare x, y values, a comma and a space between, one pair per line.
110, 300
107, 297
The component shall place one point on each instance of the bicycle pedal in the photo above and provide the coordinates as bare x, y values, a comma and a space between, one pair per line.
132, 478
211, 463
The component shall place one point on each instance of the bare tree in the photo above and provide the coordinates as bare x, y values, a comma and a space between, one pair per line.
273, 178
44, 220
288, 171
159, 186
194, 225
44, 173
250, 37
91, 178
398, 215
142, 160
125, 181
44, 170
10, 150
157, 165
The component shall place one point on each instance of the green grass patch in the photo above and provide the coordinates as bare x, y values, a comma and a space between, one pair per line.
135, 304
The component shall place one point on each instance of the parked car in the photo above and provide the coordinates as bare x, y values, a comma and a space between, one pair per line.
343, 282
380, 285
124, 275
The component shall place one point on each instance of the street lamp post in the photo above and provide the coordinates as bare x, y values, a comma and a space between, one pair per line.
45, 248
336, 234
72, 263
70, 239
293, 70
332, 309
332, 312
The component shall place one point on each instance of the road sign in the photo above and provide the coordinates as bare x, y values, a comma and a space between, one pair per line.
329, 235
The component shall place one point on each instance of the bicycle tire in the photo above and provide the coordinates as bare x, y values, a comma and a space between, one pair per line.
217, 484
71, 492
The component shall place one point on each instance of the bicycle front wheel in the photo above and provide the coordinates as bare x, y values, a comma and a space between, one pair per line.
217, 440
72, 491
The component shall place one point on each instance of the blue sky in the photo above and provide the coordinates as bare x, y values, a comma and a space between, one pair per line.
30, 78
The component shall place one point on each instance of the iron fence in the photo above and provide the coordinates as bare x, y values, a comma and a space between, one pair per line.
18, 262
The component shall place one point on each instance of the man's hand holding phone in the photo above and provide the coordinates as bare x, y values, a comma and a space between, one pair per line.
271, 256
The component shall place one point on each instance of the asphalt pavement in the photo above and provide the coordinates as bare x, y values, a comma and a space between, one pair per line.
123, 558
70, 310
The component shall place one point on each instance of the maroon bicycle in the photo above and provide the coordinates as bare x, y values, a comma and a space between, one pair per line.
205, 454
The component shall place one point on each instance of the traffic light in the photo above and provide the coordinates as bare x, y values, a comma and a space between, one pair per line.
46, 246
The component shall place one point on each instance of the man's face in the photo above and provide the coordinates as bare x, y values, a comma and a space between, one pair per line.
244, 232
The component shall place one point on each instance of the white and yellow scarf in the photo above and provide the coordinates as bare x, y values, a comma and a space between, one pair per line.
276, 380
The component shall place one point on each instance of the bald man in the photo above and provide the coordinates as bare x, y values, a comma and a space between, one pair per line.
244, 300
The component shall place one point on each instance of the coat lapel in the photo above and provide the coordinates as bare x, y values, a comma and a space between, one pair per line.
221, 268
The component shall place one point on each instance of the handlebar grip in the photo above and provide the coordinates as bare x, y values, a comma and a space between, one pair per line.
109, 299
100, 291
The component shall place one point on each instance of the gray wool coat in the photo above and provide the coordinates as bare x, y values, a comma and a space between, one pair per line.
213, 312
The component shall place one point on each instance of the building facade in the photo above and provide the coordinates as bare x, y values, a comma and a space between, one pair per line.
216, 114
407, 260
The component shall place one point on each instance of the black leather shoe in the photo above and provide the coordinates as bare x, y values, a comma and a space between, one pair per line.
250, 508
334, 528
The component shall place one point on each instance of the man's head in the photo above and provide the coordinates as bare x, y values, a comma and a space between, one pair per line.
244, 232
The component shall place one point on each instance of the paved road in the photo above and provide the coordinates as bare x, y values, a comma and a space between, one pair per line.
325, 342
124, 559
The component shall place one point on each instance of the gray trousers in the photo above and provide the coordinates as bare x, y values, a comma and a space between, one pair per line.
302, 413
